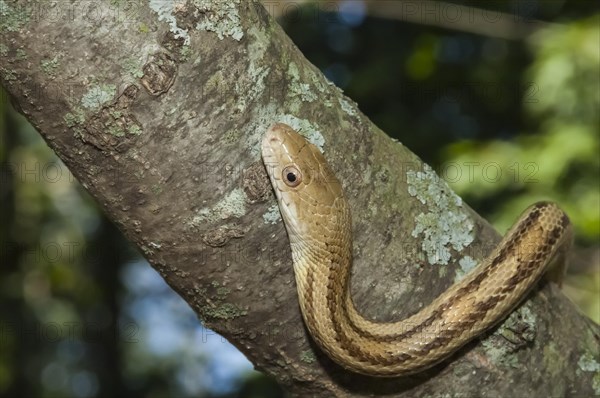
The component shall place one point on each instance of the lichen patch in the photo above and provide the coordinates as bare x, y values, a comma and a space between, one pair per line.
232, 205
166, 13
272, 216
445, 226
220, 17
98, 96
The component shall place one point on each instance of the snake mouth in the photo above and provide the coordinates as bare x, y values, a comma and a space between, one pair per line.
274, 136
272, 139
275, 161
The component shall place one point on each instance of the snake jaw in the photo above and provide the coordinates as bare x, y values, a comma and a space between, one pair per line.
275, 162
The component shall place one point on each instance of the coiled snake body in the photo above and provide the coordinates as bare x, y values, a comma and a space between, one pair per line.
317, 219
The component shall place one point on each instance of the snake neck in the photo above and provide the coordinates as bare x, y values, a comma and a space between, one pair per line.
422, 340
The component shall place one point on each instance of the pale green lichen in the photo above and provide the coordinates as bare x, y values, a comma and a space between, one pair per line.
524, 321
13, 18
20, 54
222, 292
296, 87
307, 356
348, 107
587, 363
98, 96
165, 11
226, 311
115, 131
185, 52
445, 226
134, 129
49, 66
467, 263
233, 205
500, 350
272, 216
500, 353
116, 114
133, 67
75, 118
258, 70
8, 74
221, 17
3, 50
320, 82
231, 137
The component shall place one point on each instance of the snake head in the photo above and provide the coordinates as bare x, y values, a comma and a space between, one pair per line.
310, 196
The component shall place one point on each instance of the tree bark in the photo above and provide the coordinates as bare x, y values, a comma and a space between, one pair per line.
158, 109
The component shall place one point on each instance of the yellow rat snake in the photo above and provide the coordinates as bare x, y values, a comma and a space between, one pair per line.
318, 223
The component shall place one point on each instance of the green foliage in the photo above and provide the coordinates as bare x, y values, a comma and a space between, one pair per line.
560, 161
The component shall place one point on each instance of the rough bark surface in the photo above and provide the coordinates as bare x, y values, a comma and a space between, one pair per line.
158, 109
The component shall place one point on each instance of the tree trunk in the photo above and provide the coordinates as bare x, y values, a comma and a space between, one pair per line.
158, 109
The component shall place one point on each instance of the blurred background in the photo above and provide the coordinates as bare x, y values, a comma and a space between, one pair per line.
502, 100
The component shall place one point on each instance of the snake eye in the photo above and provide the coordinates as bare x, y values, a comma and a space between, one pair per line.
291, 176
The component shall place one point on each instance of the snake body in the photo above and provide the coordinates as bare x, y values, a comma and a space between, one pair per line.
318, 222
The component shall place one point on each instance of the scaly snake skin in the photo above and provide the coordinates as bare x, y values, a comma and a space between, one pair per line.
317, 219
